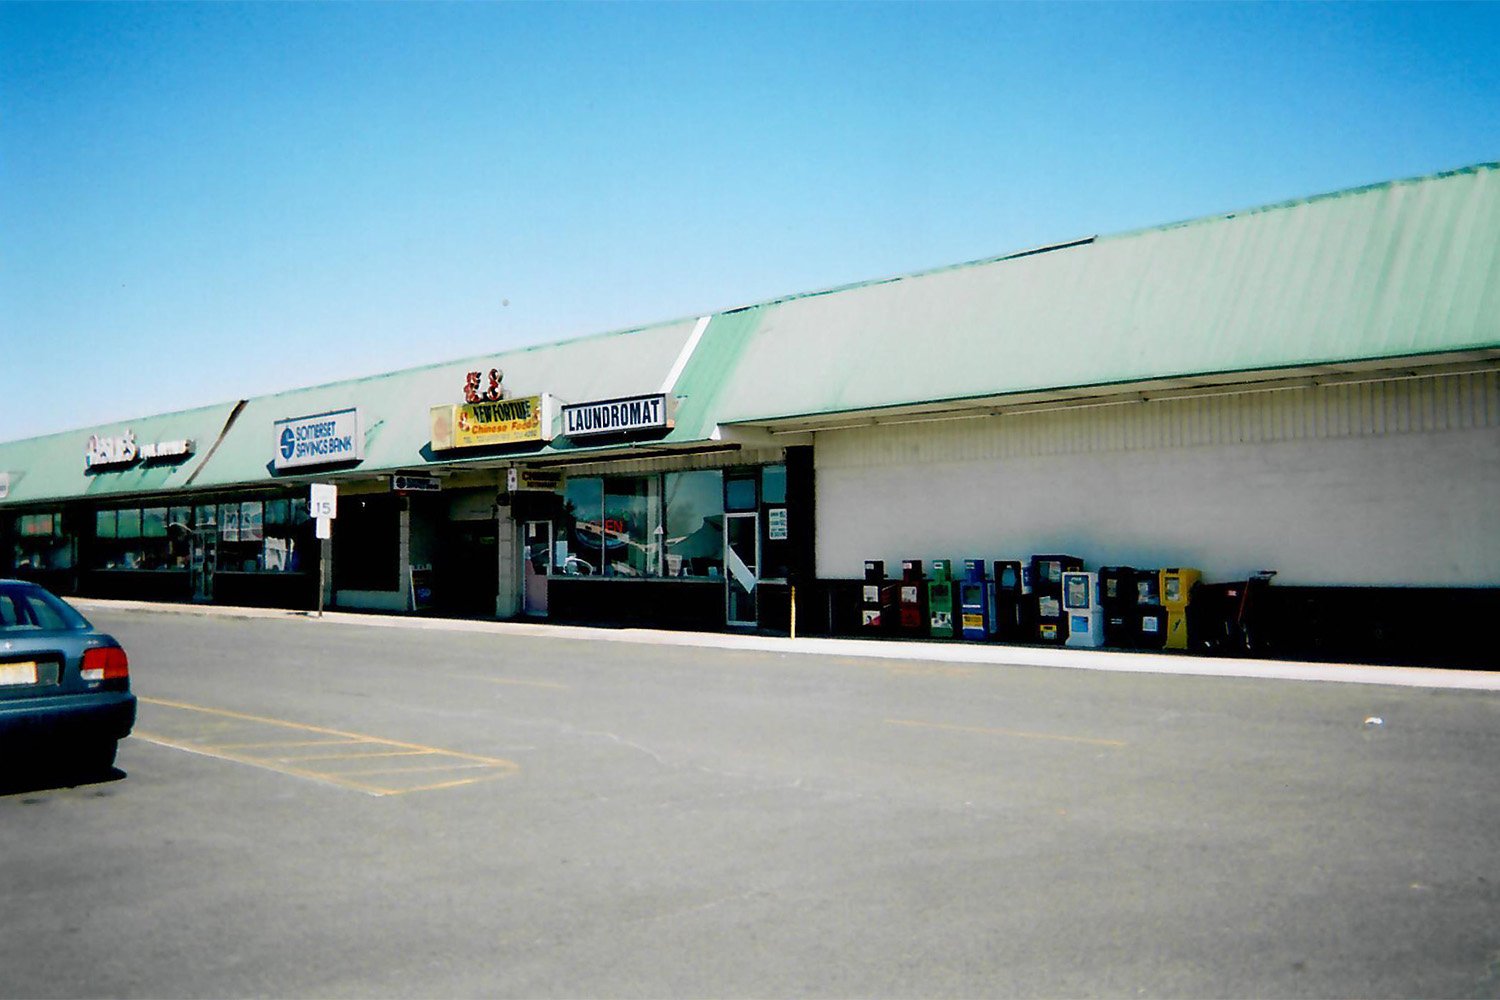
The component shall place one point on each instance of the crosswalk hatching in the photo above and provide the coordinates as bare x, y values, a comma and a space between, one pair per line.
355, 761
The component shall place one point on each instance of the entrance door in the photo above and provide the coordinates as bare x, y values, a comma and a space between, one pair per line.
468, 569
742, 566
537, 566
203, 558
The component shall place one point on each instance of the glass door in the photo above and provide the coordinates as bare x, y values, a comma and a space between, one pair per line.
203, 558
537, 567
741, 566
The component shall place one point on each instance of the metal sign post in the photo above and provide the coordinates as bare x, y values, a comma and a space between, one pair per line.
323, 505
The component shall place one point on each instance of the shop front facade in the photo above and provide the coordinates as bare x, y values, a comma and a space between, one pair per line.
1309, 387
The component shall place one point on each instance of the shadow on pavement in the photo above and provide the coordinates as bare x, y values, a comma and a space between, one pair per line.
24, 781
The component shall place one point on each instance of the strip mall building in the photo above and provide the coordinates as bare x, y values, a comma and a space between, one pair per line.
1310, 387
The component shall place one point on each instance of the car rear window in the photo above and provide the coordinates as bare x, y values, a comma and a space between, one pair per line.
25, 607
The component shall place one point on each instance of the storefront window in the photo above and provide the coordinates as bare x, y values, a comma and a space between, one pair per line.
154, 522
579, 550
632, 526
773, 484
40, 543
242, 539
133, 538
229, 522
205, 515
739, 493
694, 539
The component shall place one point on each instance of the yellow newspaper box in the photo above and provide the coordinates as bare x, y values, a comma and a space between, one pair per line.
1176, 588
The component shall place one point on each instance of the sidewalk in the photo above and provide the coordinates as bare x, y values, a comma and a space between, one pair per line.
1119, 661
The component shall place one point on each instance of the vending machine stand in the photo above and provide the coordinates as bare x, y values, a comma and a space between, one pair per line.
977, 598
1011, 589
877, 599
1081, 605
913, 599
1149, 617
942, 600
1046, 591
1176, 591
1117, 596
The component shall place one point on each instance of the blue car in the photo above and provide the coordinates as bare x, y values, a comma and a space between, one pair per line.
65, 700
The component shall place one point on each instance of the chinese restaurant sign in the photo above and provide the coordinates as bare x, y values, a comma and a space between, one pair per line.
483, 425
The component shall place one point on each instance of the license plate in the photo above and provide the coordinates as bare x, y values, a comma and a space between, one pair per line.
17, 673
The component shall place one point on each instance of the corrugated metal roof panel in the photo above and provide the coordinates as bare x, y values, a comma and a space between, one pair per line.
52, 467
1391, 271
395, 407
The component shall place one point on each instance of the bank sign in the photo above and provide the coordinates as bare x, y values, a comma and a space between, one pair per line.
320, 439
616, 416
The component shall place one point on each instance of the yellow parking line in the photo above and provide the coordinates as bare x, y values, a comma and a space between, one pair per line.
320, 729
328, 779
1007, 732
360, 756
412, 770
285, 765
277, 744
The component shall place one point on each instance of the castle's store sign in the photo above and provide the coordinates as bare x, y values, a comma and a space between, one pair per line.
109, 450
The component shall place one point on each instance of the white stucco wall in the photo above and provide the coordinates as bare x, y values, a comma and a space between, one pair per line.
1391, 492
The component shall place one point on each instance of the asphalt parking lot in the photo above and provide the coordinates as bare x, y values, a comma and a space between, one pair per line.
325, 808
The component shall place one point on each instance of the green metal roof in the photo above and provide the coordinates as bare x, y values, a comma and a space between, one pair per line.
395, 407
1393, 271
52, 467
1390, 271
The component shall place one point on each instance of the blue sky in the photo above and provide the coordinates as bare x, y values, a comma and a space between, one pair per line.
202, 202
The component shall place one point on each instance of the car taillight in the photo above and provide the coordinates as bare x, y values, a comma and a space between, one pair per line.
107, 663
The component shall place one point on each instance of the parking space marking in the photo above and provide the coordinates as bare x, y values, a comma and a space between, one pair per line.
209, 731
1007, 732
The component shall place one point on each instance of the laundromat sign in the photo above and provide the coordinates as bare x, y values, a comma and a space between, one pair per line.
319, 439
617, 416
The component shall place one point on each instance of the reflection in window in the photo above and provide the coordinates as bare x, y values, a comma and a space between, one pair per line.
773, 484
632, 526
739, 494
251, 521
154, 522
40, 544
695, 524
580, 549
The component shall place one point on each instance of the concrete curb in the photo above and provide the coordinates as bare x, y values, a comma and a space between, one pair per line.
1117, 661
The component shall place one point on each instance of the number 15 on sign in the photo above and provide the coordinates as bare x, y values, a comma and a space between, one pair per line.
323, 506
